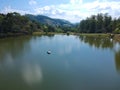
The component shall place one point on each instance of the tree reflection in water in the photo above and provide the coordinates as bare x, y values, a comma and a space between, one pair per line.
14, 46
117, 57
104, 43
97, 42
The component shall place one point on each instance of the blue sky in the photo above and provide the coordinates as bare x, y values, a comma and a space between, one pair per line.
72, 10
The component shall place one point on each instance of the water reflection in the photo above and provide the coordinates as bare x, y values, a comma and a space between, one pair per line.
97, 42
73, 64
50, 36
13, 47
32, 73
65, 50
8, 59
68, 44
104, 43
117, 56
117, 60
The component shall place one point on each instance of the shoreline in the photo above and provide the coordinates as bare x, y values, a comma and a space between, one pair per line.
115, 37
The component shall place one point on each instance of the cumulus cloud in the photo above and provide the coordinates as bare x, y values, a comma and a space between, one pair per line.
75, 10
32, 2
104, 6
76, 1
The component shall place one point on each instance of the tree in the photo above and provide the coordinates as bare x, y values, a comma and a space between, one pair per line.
101, 23
1, 19
16, 24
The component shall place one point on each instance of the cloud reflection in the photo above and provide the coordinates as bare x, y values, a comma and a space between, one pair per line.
65, 50
32, 73
68, 44
117, 47
9, 59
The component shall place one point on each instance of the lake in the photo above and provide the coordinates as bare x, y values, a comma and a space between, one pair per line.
75, 63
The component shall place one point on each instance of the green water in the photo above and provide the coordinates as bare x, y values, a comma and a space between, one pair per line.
75, 63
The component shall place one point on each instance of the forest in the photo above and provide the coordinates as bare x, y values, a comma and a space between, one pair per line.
100, 23
13, 24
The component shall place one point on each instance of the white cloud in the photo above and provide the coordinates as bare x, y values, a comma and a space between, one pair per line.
76, 1
75, 10
110, 7
71, 11
32, 2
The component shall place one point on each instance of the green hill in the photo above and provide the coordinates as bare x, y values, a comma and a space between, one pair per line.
50, 21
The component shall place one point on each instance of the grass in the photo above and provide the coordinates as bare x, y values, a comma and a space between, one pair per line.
38, 33
95, 34
45, 33
117, 37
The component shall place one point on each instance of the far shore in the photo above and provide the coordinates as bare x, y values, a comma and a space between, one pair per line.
115, 37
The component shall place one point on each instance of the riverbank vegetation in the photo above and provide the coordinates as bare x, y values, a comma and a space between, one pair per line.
100, 25
14, 24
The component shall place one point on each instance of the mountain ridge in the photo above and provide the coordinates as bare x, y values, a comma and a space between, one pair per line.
50, 21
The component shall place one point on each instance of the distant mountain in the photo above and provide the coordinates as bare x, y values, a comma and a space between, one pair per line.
50, 21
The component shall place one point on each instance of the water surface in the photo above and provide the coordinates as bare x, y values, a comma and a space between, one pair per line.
75, 63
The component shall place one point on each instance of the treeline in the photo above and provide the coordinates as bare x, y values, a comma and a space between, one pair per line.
101, 23
15, 24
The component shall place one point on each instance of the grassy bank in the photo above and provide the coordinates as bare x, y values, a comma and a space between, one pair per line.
46, 33
5, 35
115, 37
38, 33
96, 35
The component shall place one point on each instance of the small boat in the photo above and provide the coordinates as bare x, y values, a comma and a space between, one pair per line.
48, 52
